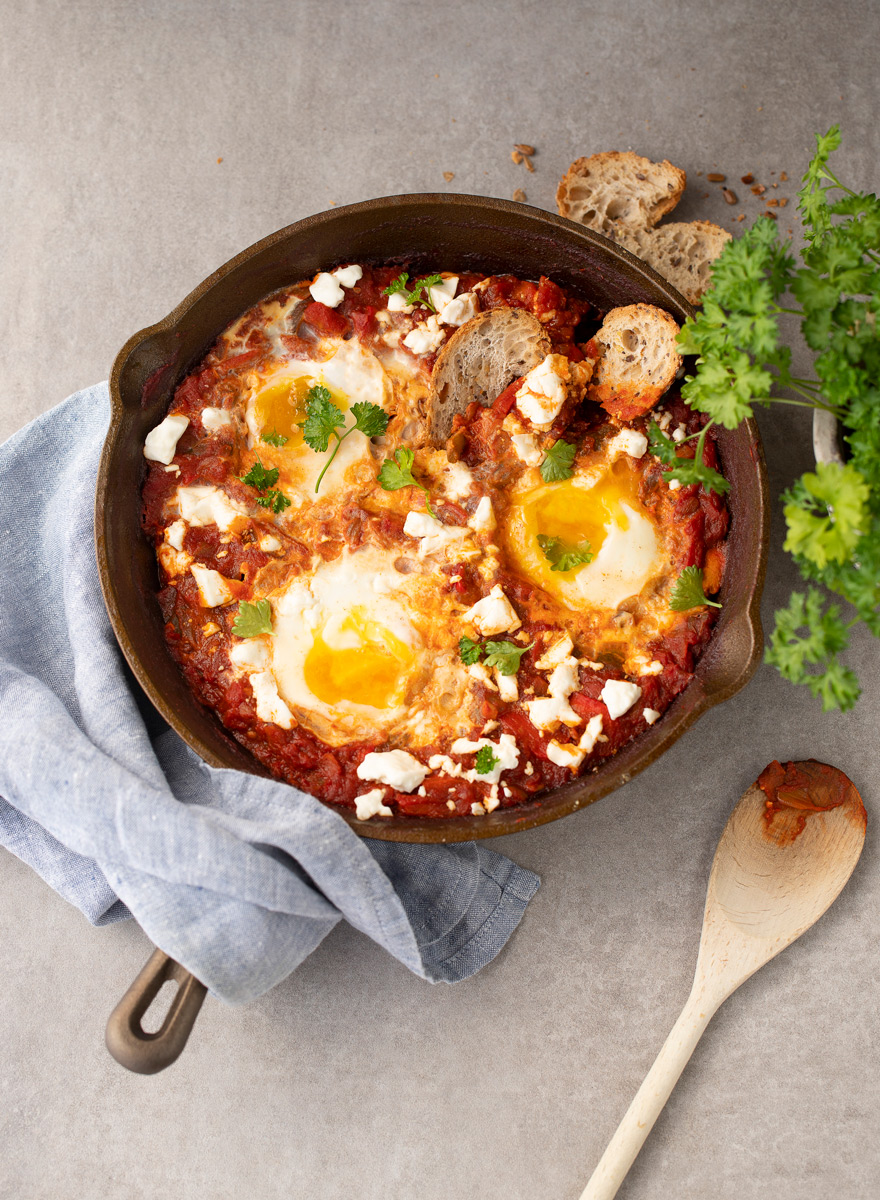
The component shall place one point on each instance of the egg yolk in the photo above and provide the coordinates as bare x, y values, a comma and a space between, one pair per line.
281, 407
362, 662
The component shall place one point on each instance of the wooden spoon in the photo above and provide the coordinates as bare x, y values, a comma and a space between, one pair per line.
788, 848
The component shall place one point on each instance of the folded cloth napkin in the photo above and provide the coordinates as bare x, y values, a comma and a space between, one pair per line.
235, 876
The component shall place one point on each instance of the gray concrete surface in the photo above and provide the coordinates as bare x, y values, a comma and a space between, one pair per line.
354, 1078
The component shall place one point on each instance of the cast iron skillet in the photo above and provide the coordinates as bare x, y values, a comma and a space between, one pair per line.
426, 231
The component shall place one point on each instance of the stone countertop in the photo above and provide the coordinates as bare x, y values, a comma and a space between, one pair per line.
143, 146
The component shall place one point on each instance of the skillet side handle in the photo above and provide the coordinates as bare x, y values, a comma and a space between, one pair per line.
127, 1040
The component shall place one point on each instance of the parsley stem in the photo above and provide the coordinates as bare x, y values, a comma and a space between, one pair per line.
339, 441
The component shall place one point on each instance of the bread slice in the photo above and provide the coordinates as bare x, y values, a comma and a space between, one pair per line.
479, 361
619, 192
637, 359
682, 252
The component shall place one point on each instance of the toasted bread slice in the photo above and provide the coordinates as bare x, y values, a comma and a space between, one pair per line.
479, 361
637, 359
682, 252
619, 192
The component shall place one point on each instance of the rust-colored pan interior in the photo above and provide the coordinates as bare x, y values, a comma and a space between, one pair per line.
428, 231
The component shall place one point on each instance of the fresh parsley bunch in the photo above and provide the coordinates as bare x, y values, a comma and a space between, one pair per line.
832, 514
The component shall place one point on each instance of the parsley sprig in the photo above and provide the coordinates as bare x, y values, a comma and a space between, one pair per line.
486, 761
832, 514
557, 464
505, 656
324, 418
688, 591
274, 438
396, 473
253, 619
264, 481
563, 555
420, 293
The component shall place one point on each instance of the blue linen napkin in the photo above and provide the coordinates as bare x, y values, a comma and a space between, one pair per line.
235, 876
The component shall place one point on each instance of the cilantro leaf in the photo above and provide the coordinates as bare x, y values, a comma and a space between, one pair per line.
469, 650
253, 619
557, 462
323, 418
370, 419
396, 473
562, 555
274, 438
261, 479
826, 512
661, 445
688, 591
486, 761
505, 656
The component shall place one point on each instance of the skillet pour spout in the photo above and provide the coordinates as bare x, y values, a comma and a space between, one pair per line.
425, 232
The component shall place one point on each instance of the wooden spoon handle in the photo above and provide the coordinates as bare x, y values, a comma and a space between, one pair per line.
650, 1099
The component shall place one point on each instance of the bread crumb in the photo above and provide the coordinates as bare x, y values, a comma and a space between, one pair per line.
741, 217
748, 178
783, 176
529, 164
783, 200
770, 213
516, 156
524, 148
729, 196
758, 189
219, 160
449, 176
773, 202
519, 195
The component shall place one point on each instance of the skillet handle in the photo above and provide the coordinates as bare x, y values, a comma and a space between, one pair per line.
127, 1040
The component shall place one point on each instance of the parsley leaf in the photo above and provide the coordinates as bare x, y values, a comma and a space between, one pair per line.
686, 470
397, 473
275, 501
562, 555
274, 438
370, 419
688, 591
486, 761
420, 292
261, 479
324, 418
825, 512
809, 657
557, 462
469, 650
505, 656
661, 445
253, 619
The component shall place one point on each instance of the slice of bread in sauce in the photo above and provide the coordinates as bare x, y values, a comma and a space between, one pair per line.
479, 361
682, 252
619, 192
637, 360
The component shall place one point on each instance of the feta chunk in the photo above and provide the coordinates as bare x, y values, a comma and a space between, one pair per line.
507, 686
555, 654
563, 679
460, 310
505, 750
591, 734
175, 534
270, 706
161, 443
565, 755
479, 672
484, 517
425, 338
457, 480
326, 290
527, 449
679, 433
214, 419
269, 543
396, 768
441, 294
208, 506
674, 485
477, 809
549, 711
618, 696
493, 614
213, 588
651, 715
396, 303
370, 805
348, 276
432, 534
252, 654
543, 393
628, 441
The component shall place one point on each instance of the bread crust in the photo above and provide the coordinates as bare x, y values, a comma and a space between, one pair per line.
636, 360
618, 191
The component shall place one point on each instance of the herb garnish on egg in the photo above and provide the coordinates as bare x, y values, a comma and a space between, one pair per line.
253, 620
563, 555
323, 419
557, 464
397, 473
688, 591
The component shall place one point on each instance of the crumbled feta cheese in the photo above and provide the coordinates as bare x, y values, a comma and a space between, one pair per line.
663, 420
440, 294
491, 801
529, 769
175, 534
457, 481
174, 562
527, 449
555, 654
392, 338
348, 276
397, 768
213, 588
270, 706
618, 696
252, 653
507, 686
484, 517
161, 443
488, 727
653, 668
628, 441
477, 809
674, 485
493, 614
505, 750
432, 534
326, 290
396, 303
548, 711
563, 680
269, 543
542, 394
592, 734
478, 671
425, 338
651, 715
460, 310
208, 506
215, 418
565, 755
370, 805
679, 433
